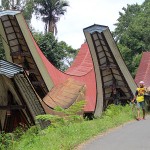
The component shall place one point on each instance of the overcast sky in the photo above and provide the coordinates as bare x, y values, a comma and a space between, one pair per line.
84, 13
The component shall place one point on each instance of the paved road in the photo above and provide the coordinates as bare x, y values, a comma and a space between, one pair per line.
132, 136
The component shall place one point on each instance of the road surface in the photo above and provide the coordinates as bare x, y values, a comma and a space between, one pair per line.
132, 136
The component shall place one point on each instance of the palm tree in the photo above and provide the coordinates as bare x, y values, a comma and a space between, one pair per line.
50, 12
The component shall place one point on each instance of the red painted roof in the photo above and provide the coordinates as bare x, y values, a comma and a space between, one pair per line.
83, 62
82, 70
143, 72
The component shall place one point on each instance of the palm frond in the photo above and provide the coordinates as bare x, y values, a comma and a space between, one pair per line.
51, 11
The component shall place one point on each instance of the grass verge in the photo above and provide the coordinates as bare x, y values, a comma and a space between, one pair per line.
68, 137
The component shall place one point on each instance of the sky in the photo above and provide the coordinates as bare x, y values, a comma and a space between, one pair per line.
83, 13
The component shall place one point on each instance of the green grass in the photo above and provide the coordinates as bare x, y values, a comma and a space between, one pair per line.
68, 137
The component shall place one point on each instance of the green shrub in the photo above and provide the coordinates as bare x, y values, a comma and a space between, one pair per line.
67, 117
66, 136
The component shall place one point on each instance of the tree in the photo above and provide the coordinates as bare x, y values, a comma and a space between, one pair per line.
28, 10
26, 6
125, 19
58, 53
50, 12
132, 33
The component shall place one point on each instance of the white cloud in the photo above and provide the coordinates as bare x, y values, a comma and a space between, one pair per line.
83, 13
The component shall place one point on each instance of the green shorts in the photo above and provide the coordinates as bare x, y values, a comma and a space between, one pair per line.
141, 105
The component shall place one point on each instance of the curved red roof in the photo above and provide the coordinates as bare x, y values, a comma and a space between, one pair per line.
82, 65
82, 70
143, 72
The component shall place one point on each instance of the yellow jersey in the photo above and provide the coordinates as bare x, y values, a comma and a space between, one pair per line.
140, 94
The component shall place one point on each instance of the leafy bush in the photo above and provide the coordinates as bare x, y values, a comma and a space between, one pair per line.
8, 139
67, 135
68, 116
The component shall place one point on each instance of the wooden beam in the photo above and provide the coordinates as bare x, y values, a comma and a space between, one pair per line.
103, 67
12, 107
37, 82
20, 53
33, 71
120, 98
117, 86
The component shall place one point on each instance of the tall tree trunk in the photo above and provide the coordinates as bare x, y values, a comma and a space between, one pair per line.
18, 2
12, 5
51, 27
46, 24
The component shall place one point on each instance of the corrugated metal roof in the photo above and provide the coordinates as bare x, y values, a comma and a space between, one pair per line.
143, 72
30, 97
65, 94
9, 12
95, 28
9, 69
